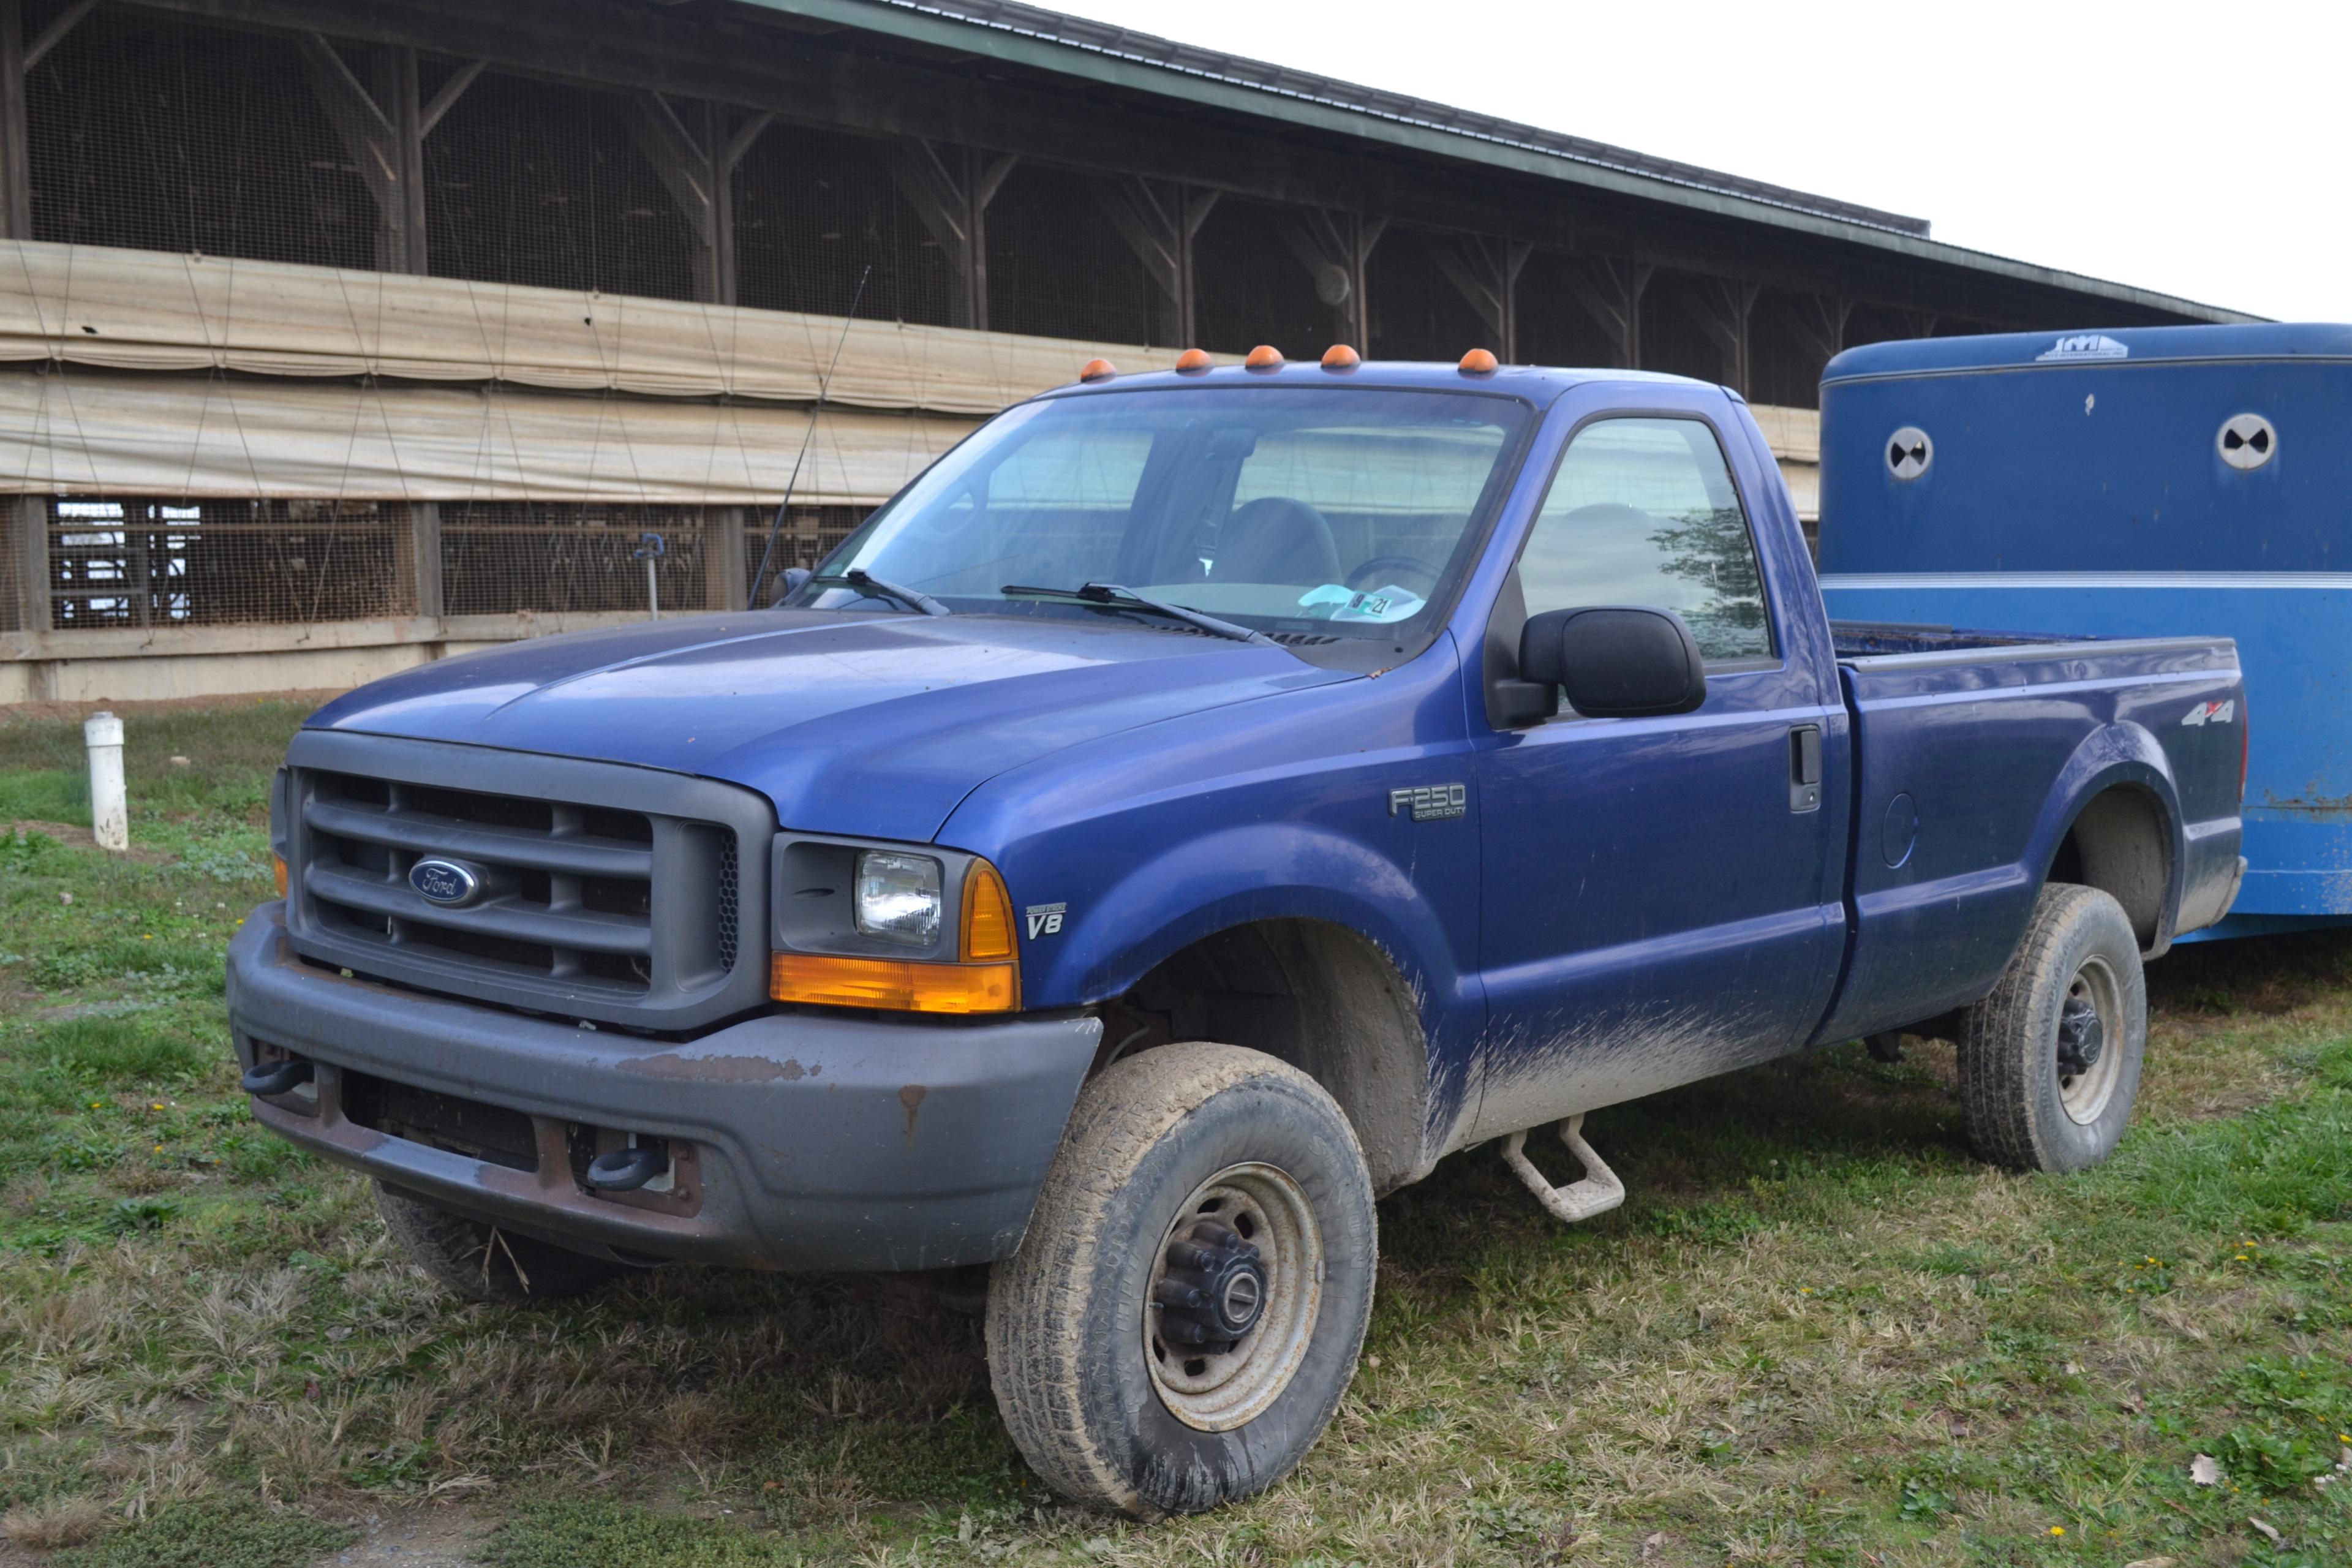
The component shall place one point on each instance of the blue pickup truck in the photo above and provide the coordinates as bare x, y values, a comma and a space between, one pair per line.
1194, 807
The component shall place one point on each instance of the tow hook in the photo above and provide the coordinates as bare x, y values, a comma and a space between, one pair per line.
1599, 1191
627, 1170
281, 1077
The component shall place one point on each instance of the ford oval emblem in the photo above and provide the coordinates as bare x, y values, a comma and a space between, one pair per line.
446, 882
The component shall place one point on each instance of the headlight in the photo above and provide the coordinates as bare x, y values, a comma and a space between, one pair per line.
899, 896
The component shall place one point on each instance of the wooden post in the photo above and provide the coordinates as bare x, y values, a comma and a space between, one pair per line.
1486, 272
15, 159
1336, 248
950, 190
1729, 307
425, 557
1818, 323
1610, 292
722, 558
30, 517
1159, 220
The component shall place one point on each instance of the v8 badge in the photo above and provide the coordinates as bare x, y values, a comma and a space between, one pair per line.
1045, 920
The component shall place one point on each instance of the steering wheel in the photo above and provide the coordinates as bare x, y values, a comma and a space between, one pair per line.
1363, 576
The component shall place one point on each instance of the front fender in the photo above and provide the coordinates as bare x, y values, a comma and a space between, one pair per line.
1259, 871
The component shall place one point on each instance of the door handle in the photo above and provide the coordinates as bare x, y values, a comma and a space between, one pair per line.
1805, 768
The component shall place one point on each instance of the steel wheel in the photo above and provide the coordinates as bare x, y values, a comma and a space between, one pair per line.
2089, 1065
1235, 1291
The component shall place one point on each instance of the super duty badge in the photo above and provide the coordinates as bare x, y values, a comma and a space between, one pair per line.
1431, 803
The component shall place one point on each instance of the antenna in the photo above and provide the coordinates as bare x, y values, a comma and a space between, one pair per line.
760, 578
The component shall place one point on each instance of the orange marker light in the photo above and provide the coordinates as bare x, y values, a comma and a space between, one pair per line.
888, 983
277, 866
1340, 356
987, 915
1097, 369
1478, 361
1265, 356
1192, 361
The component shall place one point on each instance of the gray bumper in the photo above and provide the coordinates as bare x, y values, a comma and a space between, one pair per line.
809, 1140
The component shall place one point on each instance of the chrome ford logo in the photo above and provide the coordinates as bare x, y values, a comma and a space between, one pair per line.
446, 882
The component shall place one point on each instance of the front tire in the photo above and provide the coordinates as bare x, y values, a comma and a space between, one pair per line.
1186, 1308
2049, 1063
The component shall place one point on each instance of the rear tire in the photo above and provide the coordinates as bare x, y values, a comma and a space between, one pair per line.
483, 1262
2049, 1063
1197, 1185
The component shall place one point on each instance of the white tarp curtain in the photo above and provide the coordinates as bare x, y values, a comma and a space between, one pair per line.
158, 311
71, 432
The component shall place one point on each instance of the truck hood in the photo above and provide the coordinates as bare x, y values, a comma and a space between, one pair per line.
865, 724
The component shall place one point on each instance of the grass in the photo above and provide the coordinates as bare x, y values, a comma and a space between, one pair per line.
1819, 1332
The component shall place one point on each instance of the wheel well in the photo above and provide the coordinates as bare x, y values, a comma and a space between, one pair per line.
1314, 994
2117, 844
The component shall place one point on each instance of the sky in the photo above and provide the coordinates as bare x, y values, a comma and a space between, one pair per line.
2199, 151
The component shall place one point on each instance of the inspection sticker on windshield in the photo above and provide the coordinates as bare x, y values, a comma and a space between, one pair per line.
1336, 602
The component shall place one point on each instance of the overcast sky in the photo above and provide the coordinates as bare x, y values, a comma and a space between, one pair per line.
2197, 150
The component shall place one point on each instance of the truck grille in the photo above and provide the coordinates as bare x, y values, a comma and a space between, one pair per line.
599, 904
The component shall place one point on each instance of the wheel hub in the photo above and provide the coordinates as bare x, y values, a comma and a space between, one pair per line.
2082, 1036
1213, 1289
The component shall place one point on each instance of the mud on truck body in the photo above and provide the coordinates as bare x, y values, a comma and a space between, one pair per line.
1190, 810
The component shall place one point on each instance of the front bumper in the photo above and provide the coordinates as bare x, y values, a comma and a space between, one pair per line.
808, 1140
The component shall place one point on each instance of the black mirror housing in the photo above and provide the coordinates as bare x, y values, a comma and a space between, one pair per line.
1616, 661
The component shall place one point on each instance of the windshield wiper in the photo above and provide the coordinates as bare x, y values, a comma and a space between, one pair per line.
913, 598
1111, 594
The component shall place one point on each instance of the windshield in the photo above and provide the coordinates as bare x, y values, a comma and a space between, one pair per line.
1340, 511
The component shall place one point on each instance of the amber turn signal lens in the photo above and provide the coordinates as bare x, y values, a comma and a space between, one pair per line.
1265, 356
1097, 369
1478, 361
987, 915
278, 871
1340, 356
1192, 361
894, 984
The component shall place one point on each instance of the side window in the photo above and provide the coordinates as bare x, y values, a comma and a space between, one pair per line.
1643, 512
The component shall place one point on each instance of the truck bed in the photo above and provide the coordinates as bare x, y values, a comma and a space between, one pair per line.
1948, 722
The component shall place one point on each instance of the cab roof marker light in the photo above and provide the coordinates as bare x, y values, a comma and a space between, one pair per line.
1340, 356
1478, 361
1265, 356
1097, 369
1192, 361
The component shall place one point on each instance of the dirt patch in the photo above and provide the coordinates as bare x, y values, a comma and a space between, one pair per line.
80, 838
429, 1535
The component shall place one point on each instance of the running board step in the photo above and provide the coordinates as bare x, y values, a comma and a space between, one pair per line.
1597, 1194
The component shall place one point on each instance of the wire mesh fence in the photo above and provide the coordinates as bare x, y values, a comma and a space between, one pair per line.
126, 561
808, 535
504, 557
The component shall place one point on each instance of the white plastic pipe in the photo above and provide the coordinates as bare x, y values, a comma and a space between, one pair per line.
110, 803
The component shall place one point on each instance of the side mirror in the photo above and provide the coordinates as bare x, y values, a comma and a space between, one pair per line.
1617, 661
795, 578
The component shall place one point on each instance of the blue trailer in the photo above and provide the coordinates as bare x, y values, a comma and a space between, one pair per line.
2126, 483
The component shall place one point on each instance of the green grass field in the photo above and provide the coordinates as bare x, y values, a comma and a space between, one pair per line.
1819, 1332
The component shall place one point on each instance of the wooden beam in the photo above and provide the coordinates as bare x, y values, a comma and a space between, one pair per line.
1727, 309
949, 189
1611, 290
1818, 323
28, 519
686, 169
425, 555
53, 35
16, 161
810, 79
447, 98
1159, 220
1486, 274
1336, 248
375, 143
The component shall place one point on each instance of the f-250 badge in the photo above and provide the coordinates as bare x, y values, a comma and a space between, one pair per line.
1045, 920
1431, 803
2209, 713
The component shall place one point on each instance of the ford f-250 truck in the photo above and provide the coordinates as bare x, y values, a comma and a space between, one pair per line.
1194, 806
